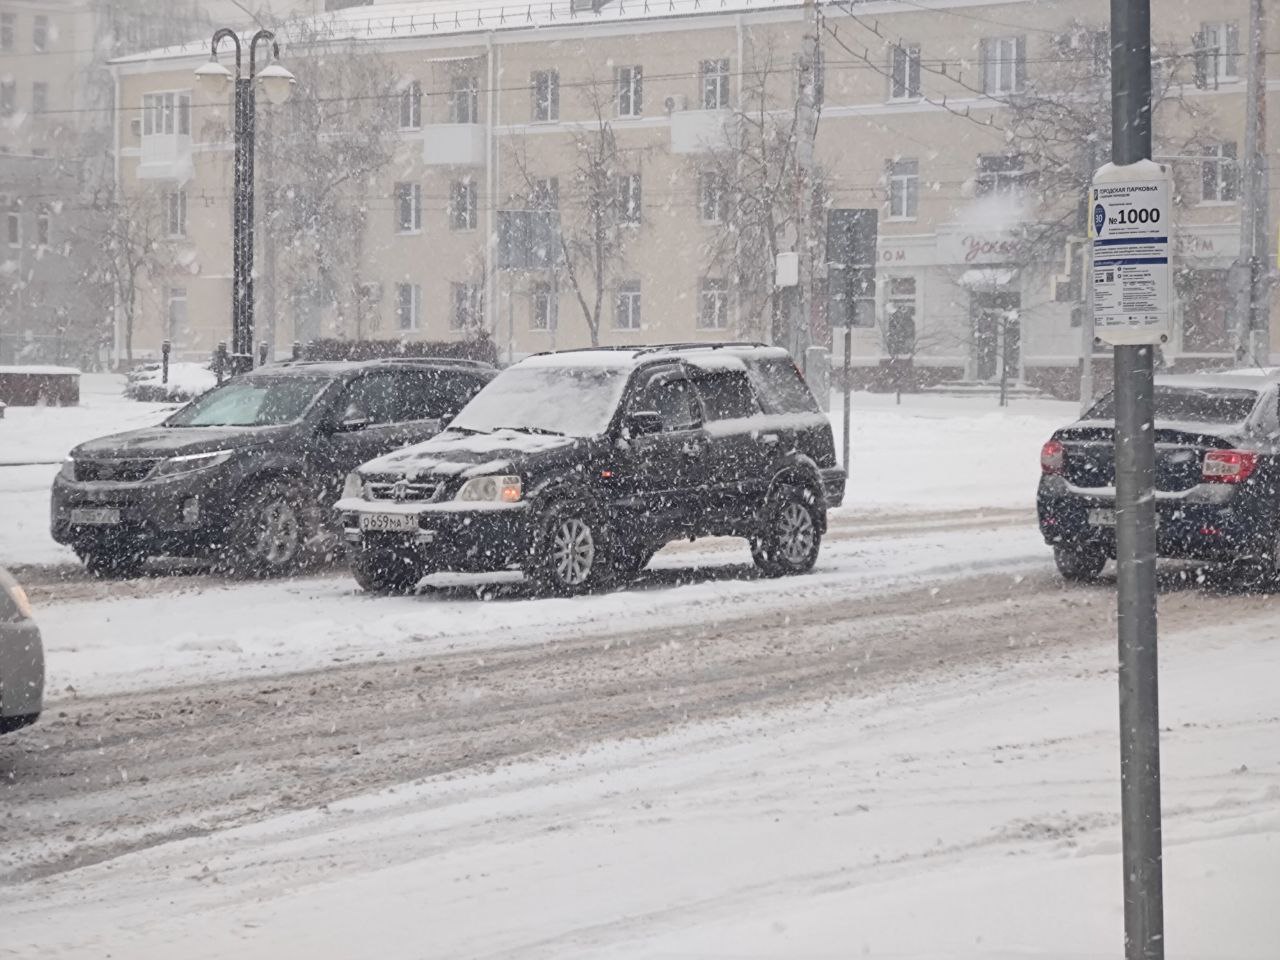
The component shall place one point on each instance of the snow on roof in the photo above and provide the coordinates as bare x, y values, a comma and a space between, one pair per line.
405, 21
581, 358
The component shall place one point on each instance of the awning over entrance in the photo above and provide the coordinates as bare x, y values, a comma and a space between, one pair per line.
987, 278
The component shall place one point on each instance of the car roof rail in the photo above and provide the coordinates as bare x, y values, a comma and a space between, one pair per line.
698, 345
436, 361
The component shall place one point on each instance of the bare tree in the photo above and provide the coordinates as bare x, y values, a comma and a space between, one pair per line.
753, 181
130, 252
599, 204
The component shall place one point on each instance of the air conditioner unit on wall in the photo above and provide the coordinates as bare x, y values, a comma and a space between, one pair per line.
675, 102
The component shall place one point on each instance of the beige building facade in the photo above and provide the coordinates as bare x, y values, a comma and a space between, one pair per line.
491, 107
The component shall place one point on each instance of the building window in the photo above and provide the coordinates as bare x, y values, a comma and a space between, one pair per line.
462, 205
543, 307
1217, 53
39, 97
464, 100
408, 306
713, 304
8, 98
176, 314
408, 207
629, 86
1220, 173
626, 306
1206, 301
713, 196
715, 84
628, 187
166, 114
545, 194
40, 33
468, 306
42, 226
13, 225
6, 31
175, 209
904, 73
546, 95
1000, 173
904, 189
411, 106
1004, 65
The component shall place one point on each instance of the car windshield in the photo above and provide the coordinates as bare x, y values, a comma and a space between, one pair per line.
262, 402
577, 401
1189, 405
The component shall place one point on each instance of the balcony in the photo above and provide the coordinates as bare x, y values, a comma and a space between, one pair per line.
165, 156
700, 131
453, 144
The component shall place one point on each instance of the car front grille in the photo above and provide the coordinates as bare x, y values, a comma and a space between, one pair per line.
115, 471
402, 491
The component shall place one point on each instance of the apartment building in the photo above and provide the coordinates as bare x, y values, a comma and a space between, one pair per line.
494, 113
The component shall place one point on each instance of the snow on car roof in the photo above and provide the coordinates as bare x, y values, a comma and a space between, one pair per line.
715, 361
1227, 380
620, 359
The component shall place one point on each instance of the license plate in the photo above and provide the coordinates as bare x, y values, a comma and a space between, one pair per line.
389, 522
95, 516
1099, 517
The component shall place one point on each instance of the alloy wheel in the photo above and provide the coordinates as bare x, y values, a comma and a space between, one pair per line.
795, 533
573, 552
278, 533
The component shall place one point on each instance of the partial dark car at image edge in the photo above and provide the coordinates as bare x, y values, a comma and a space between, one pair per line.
1217, 478
244, 474
21, 658
575, 467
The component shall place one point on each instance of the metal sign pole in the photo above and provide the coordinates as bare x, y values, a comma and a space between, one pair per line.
1136, 529
845, 387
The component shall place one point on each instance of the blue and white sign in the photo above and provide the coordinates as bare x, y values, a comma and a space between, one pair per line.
1132, 274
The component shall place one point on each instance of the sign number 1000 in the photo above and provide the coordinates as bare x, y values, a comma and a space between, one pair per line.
1138, 215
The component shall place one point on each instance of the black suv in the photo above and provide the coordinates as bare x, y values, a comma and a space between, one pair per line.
576, 467
244, 474
1217, 477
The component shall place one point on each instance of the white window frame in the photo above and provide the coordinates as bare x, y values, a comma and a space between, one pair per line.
544, 307
463, 205
1220, 46
411, 106
39, 97
1004, 64
713, 196
408, 208
713, 76
1005, 183
175, 213
713, 304
408, 307
464, 99
166, 113
544, 193
13, 226
466, 305
627, 306
904, 188
175, 295
544, 88
1226, 164
8, 29
8, 98
40, 33
628, 86
44, 226
904, 72
630, 199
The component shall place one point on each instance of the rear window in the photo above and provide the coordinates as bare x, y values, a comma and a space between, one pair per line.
727, 396
782, 387
1189, 405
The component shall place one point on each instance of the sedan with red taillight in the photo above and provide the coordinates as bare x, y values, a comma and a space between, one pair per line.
1217, 477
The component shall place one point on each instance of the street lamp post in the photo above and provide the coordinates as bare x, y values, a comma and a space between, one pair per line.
277, 83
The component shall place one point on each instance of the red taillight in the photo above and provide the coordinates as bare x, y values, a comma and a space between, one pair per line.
1228, 466
1053, 457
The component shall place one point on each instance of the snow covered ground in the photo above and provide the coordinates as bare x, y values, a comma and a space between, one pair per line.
962, 816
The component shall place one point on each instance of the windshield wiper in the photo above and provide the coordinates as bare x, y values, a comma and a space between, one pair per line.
542, 431
454, 427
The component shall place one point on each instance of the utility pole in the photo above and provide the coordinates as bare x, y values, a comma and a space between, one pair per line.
1136, 522
806, 135
1251, 269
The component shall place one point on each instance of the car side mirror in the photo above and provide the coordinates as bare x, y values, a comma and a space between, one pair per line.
640, 423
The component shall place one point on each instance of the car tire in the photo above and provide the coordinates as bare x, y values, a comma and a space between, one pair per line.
271, 534
572, 556
1079, 563
112, 561
791, 535
385, 571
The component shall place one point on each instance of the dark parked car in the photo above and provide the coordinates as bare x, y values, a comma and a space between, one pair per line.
576, 467
245, 473
1217, 477
21, 658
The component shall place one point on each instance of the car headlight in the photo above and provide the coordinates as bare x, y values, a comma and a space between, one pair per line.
353, 486
192, 461
68, 471
495, 489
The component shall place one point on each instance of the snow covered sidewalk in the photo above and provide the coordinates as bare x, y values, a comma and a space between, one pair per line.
968, 816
